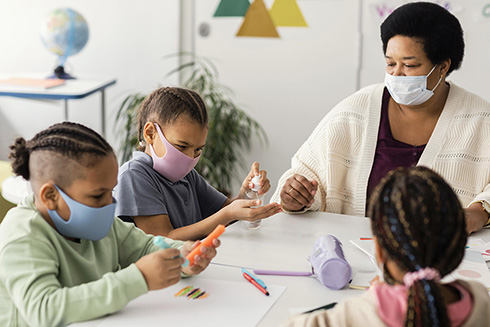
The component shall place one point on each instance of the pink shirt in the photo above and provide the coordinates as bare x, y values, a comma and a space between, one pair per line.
392, 305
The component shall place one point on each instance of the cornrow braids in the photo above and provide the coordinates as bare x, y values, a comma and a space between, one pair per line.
419, 222
70, 140
166, 104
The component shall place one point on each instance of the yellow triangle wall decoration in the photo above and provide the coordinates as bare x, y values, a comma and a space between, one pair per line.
287, 13
257, 22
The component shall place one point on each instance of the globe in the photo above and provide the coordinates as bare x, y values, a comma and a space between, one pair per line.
64, 33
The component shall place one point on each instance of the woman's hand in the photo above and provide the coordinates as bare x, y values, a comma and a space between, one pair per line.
298, 193
247, 184
475, 217
201, 261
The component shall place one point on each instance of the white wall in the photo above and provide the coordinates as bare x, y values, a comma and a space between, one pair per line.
474, 74
289, 84
128, 40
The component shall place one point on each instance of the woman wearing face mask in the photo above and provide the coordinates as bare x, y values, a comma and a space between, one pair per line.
416, 117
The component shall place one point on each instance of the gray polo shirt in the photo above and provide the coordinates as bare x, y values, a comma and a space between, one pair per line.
142, 191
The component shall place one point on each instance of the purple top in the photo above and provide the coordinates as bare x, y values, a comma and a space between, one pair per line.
390, 153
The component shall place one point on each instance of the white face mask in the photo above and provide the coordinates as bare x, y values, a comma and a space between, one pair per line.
410, 90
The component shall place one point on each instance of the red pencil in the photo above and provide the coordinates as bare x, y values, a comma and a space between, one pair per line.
251, 280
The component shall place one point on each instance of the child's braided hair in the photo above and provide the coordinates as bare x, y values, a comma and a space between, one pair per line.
418, 220
70, 140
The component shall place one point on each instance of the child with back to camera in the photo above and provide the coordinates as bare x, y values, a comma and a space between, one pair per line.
63, 256
420, 236
159, 190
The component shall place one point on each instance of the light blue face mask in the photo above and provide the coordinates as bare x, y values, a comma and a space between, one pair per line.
85, 222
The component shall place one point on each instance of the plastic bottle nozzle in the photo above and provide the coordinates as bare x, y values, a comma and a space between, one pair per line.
256, 181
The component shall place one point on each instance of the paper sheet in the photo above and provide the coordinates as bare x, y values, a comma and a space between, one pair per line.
365, 245
472, 268
228, 304
362, 280
484, 249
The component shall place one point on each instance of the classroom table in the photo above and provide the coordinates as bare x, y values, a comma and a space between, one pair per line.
284, 242
72, 89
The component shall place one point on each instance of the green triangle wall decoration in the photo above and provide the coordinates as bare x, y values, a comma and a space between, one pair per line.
232, 8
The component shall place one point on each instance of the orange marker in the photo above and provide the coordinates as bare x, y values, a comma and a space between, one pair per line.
208, 241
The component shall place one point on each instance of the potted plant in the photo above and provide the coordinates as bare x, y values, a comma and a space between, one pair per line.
231, 130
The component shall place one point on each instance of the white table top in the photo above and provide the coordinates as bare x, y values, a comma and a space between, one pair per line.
283, 242
72, 89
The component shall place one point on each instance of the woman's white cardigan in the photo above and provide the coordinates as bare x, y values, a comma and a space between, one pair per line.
339, 154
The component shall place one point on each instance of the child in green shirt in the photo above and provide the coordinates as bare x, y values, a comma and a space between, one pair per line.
63, 256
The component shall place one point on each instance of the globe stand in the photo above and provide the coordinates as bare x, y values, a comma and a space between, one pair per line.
59, 72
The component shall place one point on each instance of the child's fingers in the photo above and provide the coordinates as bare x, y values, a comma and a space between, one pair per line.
194, 245
251, 203
265, 187
169, 254
174, 266
201, 264
170, 259
263, 177
189, 246
265, 211
208, 252
173, 281
216, 243
255, 169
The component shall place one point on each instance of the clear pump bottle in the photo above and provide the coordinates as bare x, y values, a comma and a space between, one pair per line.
253, 194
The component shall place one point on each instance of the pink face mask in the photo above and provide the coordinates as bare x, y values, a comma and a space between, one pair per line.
174, 165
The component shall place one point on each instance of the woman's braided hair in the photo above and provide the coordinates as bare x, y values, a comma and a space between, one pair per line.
419, 222
70, 140
166, 104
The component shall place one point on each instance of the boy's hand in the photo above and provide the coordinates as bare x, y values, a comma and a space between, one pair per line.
161, 268
247, 184
200, 261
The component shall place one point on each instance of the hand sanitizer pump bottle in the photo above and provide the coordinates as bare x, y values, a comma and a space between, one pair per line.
253, 194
